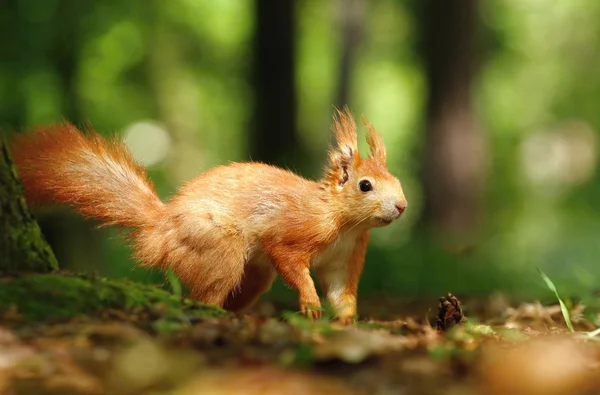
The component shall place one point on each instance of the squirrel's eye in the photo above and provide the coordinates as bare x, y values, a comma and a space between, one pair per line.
365, 185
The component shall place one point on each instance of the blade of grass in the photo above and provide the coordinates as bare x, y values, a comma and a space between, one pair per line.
563, 307
174, 283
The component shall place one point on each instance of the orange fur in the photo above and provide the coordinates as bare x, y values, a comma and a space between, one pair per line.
228, 232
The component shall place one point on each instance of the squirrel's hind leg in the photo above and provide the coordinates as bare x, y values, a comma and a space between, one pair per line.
257, 280
211, 266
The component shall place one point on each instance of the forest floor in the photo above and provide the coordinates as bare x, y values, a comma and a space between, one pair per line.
161, 345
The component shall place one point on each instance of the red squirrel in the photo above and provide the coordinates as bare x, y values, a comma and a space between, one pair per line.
227, 233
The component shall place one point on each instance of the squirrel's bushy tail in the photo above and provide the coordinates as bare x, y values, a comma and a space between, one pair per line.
99, 178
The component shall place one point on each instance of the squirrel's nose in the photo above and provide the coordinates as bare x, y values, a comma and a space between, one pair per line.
401, 207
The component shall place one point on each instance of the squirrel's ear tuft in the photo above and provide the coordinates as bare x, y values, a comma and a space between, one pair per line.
345, 156
375, 142
344, 129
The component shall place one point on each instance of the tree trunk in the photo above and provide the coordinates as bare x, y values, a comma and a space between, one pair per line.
22, 246
351, 15
274, 138
454, 152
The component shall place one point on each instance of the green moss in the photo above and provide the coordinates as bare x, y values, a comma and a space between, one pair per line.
35, 253
38, 297
21, 241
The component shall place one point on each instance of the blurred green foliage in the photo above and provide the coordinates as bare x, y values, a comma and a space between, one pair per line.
184, 64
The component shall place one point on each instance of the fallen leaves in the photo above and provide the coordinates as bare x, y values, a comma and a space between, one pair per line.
527, 351
356, 345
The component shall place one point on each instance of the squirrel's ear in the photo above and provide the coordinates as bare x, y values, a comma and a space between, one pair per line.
340, 165
375, 142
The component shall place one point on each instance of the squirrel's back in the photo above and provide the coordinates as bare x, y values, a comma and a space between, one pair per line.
252, 195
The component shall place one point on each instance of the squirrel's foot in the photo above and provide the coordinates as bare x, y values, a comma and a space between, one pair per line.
311, 311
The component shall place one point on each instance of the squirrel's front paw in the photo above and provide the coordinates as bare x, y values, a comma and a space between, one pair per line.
311, 311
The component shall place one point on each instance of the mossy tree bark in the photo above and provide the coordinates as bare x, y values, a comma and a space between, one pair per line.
22, 245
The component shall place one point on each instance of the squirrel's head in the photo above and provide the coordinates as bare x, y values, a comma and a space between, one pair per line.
364, 188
